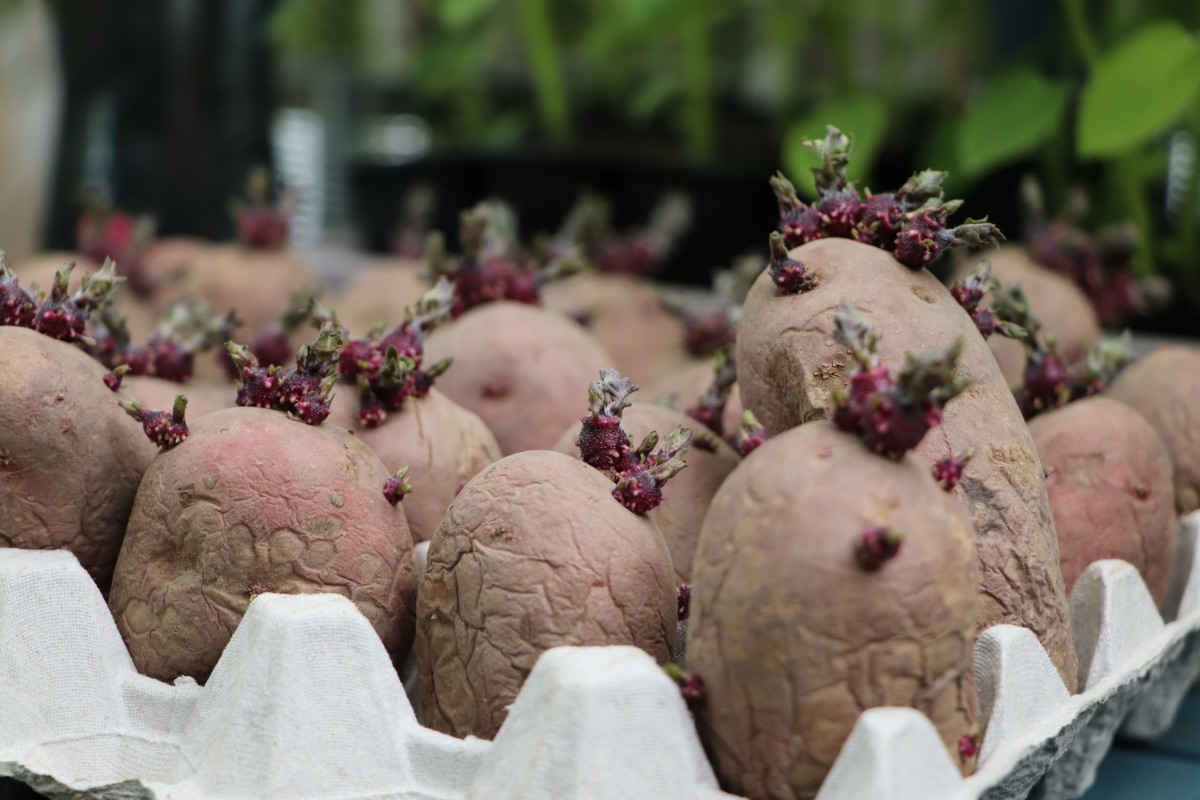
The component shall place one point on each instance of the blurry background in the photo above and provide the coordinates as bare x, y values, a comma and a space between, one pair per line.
165, 105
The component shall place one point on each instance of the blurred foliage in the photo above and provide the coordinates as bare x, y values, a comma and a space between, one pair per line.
1081, 92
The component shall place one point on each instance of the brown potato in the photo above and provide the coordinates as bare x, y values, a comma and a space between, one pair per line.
682, 383
70, 457
521, 368
789, 363
254, 502
442, 443
625, 315
1164, 387
687, 495
1064, 310
534, 553
793, 638
1111, 489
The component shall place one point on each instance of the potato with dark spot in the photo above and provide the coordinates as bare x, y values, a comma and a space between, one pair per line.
519, 367
534, 553
70, 457
789, 364
254, 502
686, 497
1111, 489
1164, 387
794, 634
441, 443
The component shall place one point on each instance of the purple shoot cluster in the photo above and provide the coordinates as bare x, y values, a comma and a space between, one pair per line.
970, 292
388, 368
876, 546
691, 685
948, 471
272, 343
685, 600
165, 428
262, 224
302, 390
709, 409
750, 435
788, 274
492, 267
169, 353
891, 415
639, 473
62, 315
910, 223
395, 487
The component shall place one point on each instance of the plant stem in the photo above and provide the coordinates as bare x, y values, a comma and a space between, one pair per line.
538, 32
698, 85
1188, 218
1081, 34
1133, 191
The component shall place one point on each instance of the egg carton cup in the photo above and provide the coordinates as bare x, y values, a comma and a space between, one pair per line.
305, 703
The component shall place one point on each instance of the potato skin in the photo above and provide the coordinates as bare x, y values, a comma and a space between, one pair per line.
1063, 309
1164, 387
534, 553
1111, 489
442, 443
159, 394
680, 384
70, 457
379, 289
524, 370
687, 495
788, 363
254, 502
794, 639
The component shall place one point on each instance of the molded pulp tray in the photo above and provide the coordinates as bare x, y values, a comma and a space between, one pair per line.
305, 704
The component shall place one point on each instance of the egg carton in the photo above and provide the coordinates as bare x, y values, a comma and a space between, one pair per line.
305, 703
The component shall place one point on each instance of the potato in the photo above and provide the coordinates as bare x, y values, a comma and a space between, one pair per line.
686, 497
625, 315
521, 368
159, 395
254, 502
794, 638
1111, 489
789, 363
534, 553
70, 458
1164, 387
442, 443
1064, 310
379, 290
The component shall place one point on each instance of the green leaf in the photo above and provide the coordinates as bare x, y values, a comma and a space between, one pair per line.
1018, 112
1138, 89
459, 14
863, 117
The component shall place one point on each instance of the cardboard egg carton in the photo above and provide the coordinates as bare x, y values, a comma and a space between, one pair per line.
305, 703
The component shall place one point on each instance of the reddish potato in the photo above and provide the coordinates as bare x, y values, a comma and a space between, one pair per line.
682, 383
70, 458
1063, 308
793, 636
441, 443
1164, 387
686, 498
519, 367
789, 364
626, 316
534, 553
254, 502
1110, 489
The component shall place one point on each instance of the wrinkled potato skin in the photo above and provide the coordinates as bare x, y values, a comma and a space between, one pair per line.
70, 457
687, 495
625, 315
794, 639
1063, 309
534, 553
788, 363
253, 502
442, 443
524, 370
1164, 387
1111, 489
